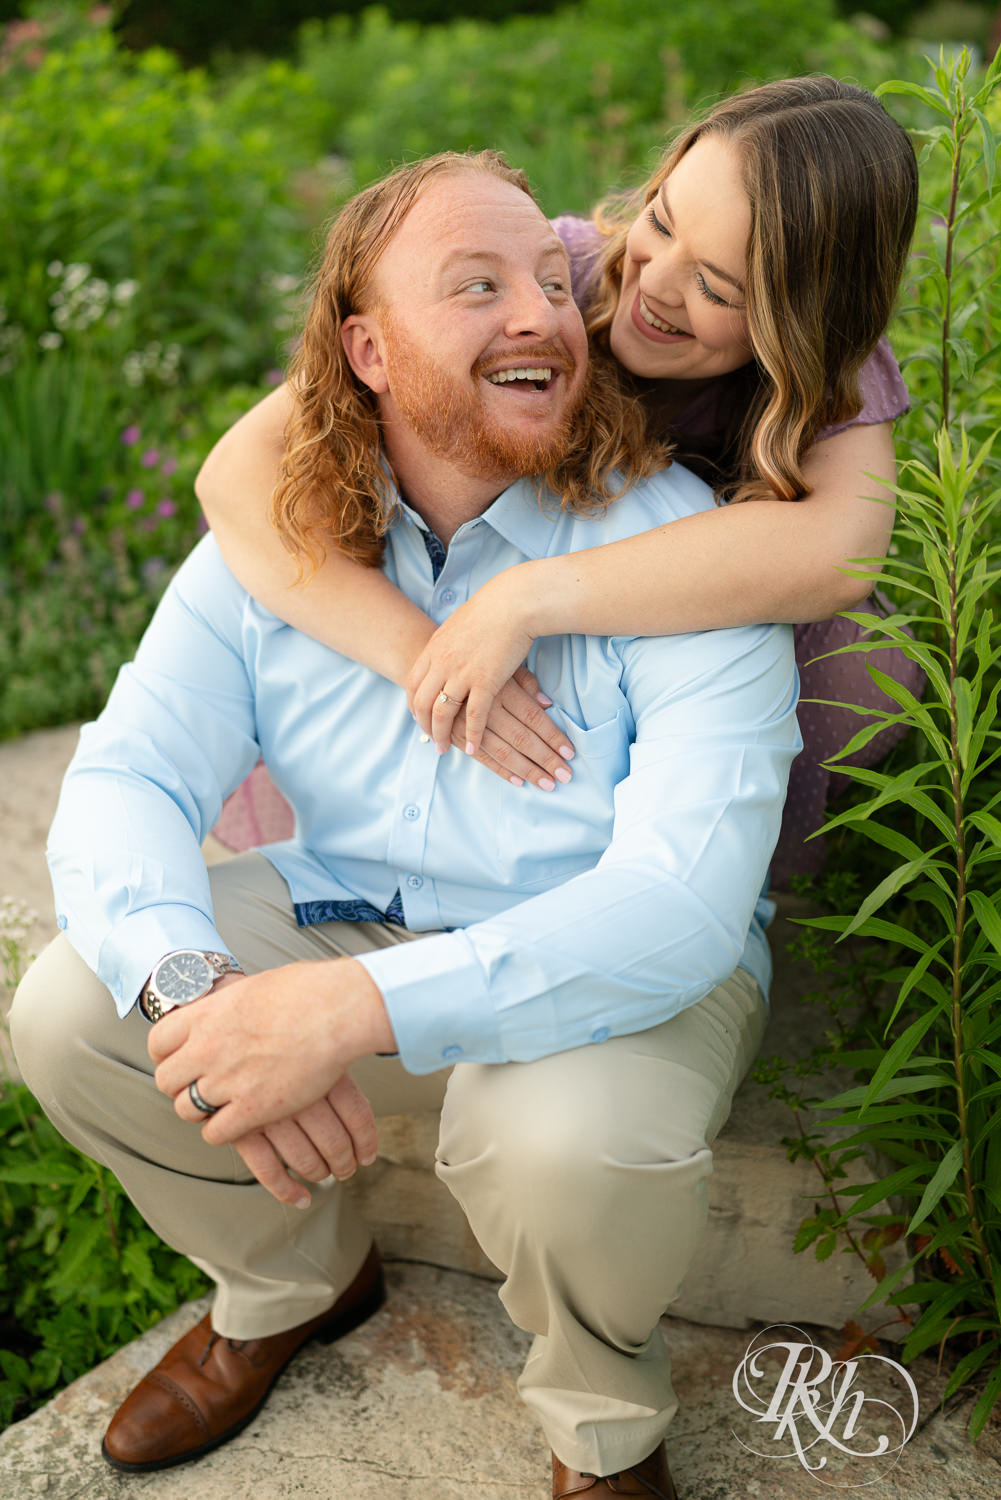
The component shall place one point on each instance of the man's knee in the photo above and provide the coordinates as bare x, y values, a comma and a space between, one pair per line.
58, 1010
567, 1142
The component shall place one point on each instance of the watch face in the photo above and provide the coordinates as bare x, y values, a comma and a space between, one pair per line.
183, 976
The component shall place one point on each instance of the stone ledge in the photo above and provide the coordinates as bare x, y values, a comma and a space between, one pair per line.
420, 1403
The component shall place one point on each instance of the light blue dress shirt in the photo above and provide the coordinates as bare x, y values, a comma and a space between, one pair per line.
599, 909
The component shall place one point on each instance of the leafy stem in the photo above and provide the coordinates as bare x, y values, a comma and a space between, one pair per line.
959, 930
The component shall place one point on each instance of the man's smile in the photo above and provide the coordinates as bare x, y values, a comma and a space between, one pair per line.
527, 372
540, 376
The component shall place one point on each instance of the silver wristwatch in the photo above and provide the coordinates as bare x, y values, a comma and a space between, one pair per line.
182, 976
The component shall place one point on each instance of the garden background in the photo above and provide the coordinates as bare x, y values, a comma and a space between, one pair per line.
160, 208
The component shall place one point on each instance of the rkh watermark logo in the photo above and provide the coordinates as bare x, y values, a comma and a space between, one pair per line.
845, 1435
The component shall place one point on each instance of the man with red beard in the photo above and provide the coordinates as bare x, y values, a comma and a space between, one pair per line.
575, 982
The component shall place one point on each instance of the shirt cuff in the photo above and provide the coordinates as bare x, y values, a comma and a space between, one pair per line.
436, 998
135, 945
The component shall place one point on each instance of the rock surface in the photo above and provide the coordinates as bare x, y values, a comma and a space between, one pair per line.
420, 1404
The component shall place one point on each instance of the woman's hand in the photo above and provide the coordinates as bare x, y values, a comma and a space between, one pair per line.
468, 687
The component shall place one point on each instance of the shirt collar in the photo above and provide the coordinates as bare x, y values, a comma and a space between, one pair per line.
523, 515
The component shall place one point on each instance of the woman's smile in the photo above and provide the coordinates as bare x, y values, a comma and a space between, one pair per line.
654, 327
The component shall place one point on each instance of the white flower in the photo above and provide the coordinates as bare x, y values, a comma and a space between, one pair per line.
54, 268
49, 340
134, 369
124, 291
75, 275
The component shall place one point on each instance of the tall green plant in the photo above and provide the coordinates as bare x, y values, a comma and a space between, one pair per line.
81, 1272
930, 1106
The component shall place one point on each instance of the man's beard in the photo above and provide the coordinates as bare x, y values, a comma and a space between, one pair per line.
452, 421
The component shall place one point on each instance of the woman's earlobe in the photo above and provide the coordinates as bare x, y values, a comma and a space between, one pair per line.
361, 338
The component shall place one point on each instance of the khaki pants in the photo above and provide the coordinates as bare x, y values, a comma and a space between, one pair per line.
583, 1175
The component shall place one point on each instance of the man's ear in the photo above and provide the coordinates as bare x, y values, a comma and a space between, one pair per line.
361, 336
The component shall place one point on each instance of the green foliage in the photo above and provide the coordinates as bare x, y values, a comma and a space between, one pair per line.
926, 1108
198, 28
150, 254
81, 1273
896, 14
953, 22
92, 525
581, 100
140, 185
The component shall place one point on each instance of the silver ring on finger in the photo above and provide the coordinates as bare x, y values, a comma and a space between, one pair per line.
199, 1102
444, 698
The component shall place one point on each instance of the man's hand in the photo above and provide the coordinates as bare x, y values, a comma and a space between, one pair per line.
265, 1047
330, 1138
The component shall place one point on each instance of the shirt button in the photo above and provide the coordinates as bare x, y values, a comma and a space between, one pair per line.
410, 812
451, 1052
425, 739
415, 882
448, 596
601, 1035
61, 922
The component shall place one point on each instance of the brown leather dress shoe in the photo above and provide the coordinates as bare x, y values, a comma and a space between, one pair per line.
651, 1477
207, 1388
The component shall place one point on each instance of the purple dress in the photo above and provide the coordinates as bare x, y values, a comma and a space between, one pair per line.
256, 813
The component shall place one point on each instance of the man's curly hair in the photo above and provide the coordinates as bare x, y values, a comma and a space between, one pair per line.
332, 487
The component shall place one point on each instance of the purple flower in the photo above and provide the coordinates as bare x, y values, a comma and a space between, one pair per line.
169, 466
274, 377
150, 459
54, 503
131, 435
135, 499
79, 526
166, 508
201, 526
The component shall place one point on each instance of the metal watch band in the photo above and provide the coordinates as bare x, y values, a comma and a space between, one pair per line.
149, 1001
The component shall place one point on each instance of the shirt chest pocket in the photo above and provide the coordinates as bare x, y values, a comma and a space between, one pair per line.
545, 838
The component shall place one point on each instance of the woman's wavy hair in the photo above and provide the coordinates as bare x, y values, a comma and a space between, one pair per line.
832, 182
335, 483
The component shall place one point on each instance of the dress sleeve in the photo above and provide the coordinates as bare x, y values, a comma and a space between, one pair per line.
884, 394
582, 240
